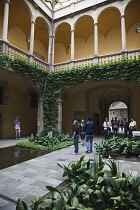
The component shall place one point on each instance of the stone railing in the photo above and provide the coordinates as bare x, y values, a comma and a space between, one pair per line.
16, 52
41, 63
131, 54
13, 51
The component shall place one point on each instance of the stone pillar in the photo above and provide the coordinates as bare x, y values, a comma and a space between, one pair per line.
60, 101
95, 42
72, 44
49, 49
96, 39
31, 49
123, 34
5, 21
72, 48
51, 53
40, 115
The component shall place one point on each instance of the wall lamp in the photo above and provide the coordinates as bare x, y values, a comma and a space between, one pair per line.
28, 39
138, 29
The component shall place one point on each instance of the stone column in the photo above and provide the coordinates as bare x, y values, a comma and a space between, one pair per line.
49, 49
72, 47
51, 53
31, 50
95, 39
5, 21
123, 34
60, 101
95, 42
40, 115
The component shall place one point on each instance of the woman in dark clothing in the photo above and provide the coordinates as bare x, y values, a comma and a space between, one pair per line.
75, 137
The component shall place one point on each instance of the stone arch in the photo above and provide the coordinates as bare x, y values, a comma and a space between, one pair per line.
106, 8
43, 19
104, 103
59, 24
81, 16
28, 7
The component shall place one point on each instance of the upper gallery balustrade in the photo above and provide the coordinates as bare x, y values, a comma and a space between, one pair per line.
13, 51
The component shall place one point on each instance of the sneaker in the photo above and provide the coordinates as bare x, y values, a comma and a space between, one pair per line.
87, 151
74, 153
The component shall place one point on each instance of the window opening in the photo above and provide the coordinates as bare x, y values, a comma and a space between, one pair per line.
34, 102
1, 95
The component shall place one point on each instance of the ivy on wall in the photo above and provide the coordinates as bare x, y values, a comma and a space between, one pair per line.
123, 70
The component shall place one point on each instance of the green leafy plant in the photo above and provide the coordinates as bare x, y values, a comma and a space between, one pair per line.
119, 145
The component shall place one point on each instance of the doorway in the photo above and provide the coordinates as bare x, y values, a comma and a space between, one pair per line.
120, 110
114, 107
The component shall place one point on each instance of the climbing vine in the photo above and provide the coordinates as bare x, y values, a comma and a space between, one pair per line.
123, 70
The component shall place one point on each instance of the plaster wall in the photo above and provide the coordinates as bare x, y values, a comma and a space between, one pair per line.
60, 53
133, 38
17, 105
17, 38
39, 48
84, 49
73, 104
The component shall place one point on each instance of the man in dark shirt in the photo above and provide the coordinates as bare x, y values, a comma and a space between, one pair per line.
75, 137
89, 127
126, 127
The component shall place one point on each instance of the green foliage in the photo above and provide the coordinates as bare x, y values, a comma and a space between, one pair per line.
48, 140
119, 145
92, 188
46, 143
123, 70
31, 145
45, 131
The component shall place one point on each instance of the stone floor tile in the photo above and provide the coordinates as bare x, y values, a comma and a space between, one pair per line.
24, 187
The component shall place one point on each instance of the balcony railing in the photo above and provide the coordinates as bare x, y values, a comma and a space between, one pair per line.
130, 54
13, 51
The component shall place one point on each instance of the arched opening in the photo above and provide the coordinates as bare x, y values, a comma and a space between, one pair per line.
62, 43
132, 14
109, 31
84, 37
41, 39
119, 110
19, 24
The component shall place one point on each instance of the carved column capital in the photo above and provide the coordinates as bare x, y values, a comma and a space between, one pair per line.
7, 1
